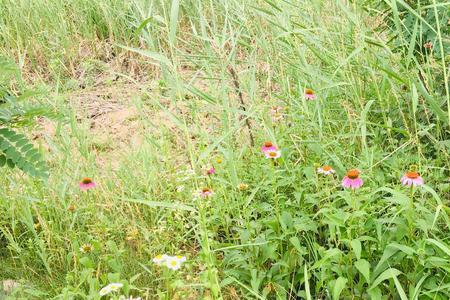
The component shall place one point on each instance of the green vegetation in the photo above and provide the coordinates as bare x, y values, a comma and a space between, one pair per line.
152, 94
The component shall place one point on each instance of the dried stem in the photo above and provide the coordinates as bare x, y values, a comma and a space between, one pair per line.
238, 91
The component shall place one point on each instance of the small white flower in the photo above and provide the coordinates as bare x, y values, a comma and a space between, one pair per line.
173, 263
160, 259
112, 287
181, 258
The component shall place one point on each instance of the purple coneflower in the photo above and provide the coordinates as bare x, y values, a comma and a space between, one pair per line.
352, 179
309, 94
412, 178
87, 184
268, 146
325, 170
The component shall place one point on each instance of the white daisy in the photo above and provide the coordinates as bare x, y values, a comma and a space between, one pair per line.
173, 263
160, 259
112, 287
181, 258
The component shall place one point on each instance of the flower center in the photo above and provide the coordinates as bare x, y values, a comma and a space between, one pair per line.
326, 168
412, 175
206, 190
86, 181
353, 174
159, 256
173, 263
268, 144
309, 92
272, 154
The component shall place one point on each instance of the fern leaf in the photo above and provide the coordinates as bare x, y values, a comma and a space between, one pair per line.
17, 151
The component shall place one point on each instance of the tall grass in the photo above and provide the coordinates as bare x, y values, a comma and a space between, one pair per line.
223, 64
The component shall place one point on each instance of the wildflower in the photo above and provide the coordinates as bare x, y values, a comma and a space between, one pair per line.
180, 188
273, 154
160, 259
174, 263
87, 183
181, 258
86, 248
268, 146
219, 160
352, 180
428, 45
412, 178
325, 170
276, 112
112, 287
71, 208
210, 171
206, 192
242, 186
309, 94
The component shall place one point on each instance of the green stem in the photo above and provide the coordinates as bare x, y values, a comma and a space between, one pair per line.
411, 210
275, 199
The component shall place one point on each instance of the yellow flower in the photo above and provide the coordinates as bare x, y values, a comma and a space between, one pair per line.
242, 186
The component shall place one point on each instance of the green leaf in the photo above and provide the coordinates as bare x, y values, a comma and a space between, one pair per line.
440, 245
338, 287
174, 8
306, 278
160, 58
387, 274
399, 287
356, 246
18, 151
363, 267
296, 243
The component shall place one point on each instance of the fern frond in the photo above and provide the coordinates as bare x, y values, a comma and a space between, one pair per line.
17, 151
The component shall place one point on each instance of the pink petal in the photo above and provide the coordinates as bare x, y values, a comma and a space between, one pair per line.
356, 183
417, 181
271, 148
346, 182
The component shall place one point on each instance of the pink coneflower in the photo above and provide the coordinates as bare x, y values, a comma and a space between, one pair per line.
412, 178
309, 94
210, 171
352, 180
206, 192
268, 146
87, 184
273, 154
325, 170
